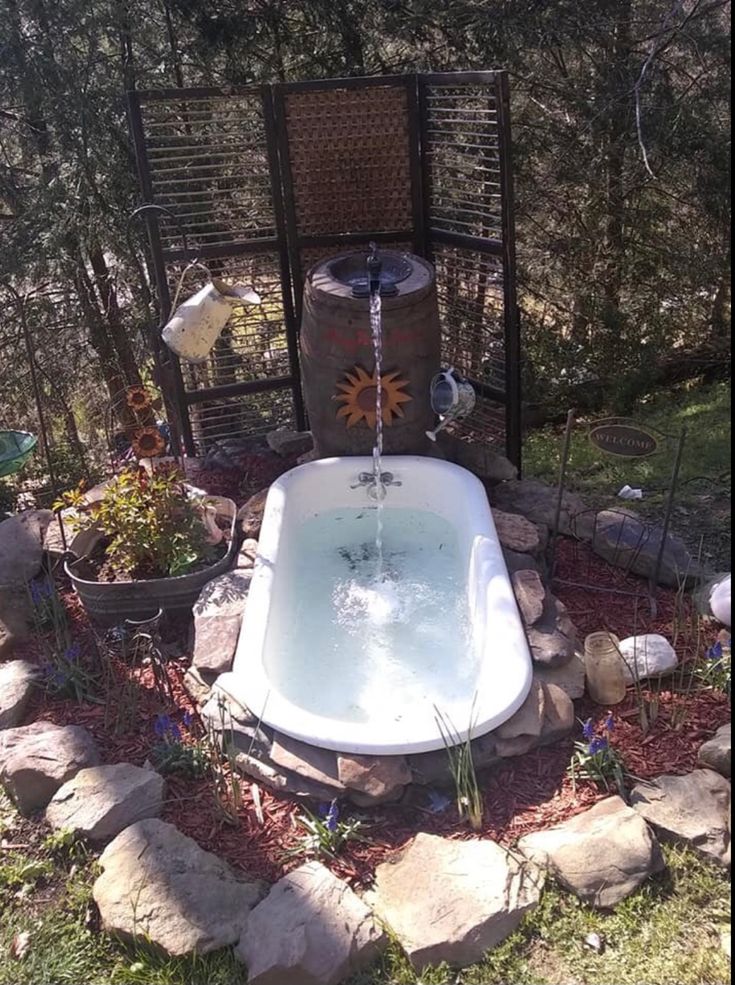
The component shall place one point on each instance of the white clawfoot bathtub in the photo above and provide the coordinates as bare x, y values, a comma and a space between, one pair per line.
330, 656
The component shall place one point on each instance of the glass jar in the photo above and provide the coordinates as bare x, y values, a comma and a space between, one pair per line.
604, 668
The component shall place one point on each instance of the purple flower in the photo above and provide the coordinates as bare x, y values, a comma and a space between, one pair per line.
71, 654
588, 730
187, 719
609, 722
331, 816
597, 746
166, 729
715, 651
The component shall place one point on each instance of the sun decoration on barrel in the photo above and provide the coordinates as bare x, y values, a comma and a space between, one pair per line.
360, 394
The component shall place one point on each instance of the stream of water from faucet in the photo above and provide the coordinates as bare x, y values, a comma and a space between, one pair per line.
376, 327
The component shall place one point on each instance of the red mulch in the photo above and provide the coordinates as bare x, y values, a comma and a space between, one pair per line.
255, 471
524, 794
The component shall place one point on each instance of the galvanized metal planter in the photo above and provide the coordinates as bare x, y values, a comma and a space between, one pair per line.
112, 603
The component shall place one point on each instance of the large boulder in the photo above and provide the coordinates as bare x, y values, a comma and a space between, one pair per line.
602, 855
622, 539
453, 900
99, 802
18, 678
15, 618
36, 759
693, 810
159, 887
21, 546
537, 501
716, 752
311, 929
217, 619
648, 655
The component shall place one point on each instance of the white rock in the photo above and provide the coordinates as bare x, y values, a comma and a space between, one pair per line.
649, 655
17, 680
720, 601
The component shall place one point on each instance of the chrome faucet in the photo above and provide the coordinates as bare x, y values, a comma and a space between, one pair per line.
368, 480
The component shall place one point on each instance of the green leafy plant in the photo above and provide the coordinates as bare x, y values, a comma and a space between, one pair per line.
154, 523
716, 669
326, 833
171, 755
596, 759
462, 767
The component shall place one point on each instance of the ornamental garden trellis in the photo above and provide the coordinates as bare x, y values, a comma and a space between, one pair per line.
632, 543
264, 181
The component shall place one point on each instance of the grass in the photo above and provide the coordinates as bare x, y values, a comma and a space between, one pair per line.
666, 933
704, 484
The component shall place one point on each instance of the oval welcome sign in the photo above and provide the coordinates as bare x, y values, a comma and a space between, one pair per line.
624, 440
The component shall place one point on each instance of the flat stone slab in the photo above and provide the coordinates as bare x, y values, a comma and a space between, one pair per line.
570, 676
602, 855
553, 638
37, 759
217, 620
693, 810
99, 802
288, 443
453, 900
250, 516
516, 533
716, 752
311, 929
17, 681
373, 779
530, 593
15, 618
158, 886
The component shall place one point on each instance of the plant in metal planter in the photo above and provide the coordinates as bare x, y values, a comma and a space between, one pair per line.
155, 542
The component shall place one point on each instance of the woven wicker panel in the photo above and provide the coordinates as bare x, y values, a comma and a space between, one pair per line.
471, 303
350, 160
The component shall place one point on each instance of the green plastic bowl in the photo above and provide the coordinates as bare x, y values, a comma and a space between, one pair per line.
16, 447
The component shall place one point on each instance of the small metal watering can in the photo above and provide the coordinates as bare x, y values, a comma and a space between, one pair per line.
451, 397
197, 323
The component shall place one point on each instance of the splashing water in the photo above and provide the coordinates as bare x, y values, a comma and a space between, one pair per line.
376, 328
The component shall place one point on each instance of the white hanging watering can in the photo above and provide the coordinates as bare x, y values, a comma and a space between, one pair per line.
197, 323
451, 397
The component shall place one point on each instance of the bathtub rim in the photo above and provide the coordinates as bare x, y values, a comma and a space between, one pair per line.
248, 682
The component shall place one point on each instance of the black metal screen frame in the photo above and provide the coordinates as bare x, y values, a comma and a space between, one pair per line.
288, 243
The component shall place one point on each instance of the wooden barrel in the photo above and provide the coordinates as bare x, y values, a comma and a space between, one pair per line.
338, 361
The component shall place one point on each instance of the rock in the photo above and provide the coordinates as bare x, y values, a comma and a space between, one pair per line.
250, 516
308, 456
21, 546
478, 457
537, 502
692, 809
17, 680
217, 619
288, 444
247, 555
559, 718
35, 760
518, 534
602, 855
453, 900
311, 762
553, 638
720, 601
99, 802
716, 752
236, 454
622, 539
15, 618
373, 779
528, 719
158, 886
282, 780
197, 686
428, 768
521, 562
530, 594
649, 655
311, 929
222, 701
569, 677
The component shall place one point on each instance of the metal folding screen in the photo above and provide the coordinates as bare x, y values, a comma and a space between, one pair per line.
265, 181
